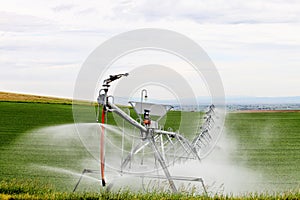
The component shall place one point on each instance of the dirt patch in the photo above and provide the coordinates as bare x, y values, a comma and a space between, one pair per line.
7, 96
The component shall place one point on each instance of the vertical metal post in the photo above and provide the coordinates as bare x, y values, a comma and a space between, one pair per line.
143, 91
161, 162
103, 117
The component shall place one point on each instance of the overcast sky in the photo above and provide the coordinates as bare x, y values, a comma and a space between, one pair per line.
255, 45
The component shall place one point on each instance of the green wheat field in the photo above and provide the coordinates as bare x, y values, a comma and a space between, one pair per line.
267, 142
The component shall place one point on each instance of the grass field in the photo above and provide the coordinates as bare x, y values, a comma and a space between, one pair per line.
266, 142
270, 143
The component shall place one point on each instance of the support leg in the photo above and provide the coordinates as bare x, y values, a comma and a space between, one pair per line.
163, 164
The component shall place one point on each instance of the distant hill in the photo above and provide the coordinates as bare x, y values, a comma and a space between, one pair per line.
230, 100
240, 100
7, 96
263, 100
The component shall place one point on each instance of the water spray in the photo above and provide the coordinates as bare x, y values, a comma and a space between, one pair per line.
166, 146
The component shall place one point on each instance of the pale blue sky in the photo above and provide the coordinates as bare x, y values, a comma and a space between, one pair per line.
255, 45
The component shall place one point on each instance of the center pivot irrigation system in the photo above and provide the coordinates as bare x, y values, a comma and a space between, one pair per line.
164, 147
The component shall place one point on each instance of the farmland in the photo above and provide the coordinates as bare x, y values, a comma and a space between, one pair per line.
266, 142
13, 97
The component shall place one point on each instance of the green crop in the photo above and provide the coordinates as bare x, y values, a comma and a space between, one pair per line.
266, 142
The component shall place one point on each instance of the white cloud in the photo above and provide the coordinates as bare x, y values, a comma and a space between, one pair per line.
253, 43
63, 7
219, 11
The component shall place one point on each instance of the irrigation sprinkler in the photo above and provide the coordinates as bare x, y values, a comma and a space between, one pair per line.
166, 146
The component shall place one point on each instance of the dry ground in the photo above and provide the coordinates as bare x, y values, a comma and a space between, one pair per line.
7, 96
